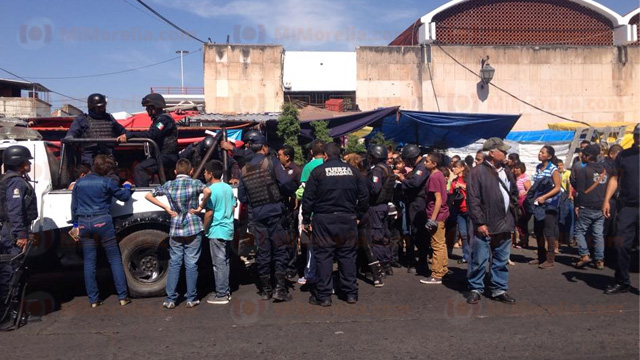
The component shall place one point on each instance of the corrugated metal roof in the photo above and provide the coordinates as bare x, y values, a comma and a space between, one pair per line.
223, 118
24, 85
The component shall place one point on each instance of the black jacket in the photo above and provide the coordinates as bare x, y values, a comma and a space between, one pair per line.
485, 202
334, 187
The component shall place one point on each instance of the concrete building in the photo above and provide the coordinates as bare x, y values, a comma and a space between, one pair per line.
22, 99
573, 58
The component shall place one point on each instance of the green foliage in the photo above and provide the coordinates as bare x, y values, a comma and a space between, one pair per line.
354, 145
381, 140
321, 131
289, 128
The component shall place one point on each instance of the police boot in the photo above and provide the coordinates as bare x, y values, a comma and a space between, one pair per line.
376, 270
267, 290
282, 292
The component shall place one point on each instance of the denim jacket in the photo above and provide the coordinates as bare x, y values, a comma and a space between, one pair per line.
92, 195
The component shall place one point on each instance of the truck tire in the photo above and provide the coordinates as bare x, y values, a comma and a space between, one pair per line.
145, 256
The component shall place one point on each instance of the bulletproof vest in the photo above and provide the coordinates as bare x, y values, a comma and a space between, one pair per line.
388, 183
29, 203
170, 142
260, 184
99, 128
412, 194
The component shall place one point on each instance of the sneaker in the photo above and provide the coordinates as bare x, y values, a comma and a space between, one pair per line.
193, 303
600, 264
431, 280
302, 281
169, 304
125, 301
378, 282
96, 304
213, 299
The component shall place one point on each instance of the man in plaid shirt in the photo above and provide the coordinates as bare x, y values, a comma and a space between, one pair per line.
186, 230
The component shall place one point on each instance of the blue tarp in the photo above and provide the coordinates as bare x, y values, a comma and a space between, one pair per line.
445, 130
541, 136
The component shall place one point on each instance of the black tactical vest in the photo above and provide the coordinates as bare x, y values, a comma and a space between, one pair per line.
170, 143
99, 128
29, 202
388, 184
262, 188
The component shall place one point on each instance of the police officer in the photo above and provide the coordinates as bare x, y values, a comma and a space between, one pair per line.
18, 208
196, 152
243, 155
412, 186
263, 186
337, 197
96, 124
381, 183
626, 176
163, 131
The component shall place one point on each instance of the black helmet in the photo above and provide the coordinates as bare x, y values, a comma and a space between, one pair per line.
410, 151
16, 155
155, 100
206, 143
378, 151
96, 100
252, 136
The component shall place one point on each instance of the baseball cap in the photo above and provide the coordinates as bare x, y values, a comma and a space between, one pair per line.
592, 150
495, 143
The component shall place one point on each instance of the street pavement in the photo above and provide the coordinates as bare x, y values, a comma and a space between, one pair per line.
561, 313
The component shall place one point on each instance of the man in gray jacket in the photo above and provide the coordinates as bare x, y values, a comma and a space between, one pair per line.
489, 192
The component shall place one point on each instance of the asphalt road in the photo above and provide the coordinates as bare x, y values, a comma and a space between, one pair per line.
561, 313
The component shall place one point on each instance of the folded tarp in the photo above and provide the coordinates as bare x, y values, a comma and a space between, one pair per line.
445, 130
344, 125
541, 136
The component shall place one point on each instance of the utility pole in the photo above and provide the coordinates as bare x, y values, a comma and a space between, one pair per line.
181, 52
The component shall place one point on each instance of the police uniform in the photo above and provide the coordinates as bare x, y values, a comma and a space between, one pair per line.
381, 183
262, 186
414, 193
164, 132
337, 197
94, 126
293, 171
19, 209
196, 152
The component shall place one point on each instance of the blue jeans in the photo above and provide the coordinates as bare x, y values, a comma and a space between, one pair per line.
185, 249
100, 228
464, 227
500, 246
220, 250
595, 219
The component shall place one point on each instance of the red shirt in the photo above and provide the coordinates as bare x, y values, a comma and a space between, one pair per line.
436, 183
460, 180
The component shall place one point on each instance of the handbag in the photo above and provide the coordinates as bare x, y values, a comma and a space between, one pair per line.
456, 198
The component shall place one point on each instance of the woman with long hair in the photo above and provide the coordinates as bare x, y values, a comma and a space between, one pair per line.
547, 198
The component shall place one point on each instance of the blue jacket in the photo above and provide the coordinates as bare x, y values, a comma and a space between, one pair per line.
92, 195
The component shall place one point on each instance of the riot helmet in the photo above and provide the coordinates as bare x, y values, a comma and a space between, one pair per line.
378, 151
251, 136
410, 151
96, 102
16, 155
206, 144
154, 99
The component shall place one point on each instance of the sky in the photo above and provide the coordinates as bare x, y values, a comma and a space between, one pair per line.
52, 41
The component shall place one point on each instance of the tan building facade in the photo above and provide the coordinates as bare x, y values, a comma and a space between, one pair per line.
243, 78
590, 84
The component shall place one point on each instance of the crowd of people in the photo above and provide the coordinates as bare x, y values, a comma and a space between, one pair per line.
371, 212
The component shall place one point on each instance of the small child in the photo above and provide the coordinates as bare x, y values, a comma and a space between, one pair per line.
218, 225
185, 234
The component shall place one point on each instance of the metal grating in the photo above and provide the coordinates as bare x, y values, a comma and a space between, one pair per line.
522, 22
635, 20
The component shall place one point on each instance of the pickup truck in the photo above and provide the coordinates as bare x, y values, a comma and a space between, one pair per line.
142, 229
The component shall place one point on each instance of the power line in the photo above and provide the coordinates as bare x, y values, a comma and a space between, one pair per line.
142, 11
55, 92
109, 73
510, 94
169, 22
